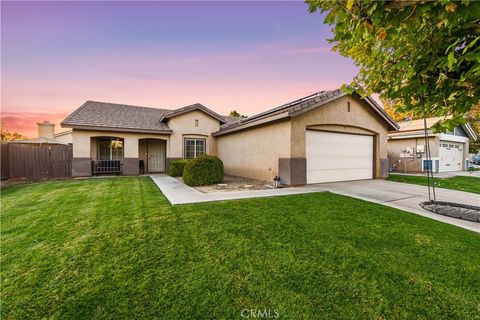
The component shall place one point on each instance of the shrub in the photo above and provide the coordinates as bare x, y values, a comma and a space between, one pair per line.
203, 170
177, 167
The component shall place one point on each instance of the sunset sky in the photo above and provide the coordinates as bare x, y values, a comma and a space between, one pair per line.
247, 56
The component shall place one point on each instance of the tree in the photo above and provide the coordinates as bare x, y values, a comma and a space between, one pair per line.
415, 53
6, 135
391, 109
234, 113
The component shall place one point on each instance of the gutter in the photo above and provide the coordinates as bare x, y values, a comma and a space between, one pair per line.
114, 129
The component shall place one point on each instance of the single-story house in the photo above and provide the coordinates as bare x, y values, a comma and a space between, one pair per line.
327, 136
449, 151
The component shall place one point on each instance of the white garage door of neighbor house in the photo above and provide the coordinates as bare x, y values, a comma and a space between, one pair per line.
338, 156
451, 156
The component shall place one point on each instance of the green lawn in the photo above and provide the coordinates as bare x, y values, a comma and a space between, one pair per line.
468, 184
115, 248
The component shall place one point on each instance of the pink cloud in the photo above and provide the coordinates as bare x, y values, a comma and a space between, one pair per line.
26, 123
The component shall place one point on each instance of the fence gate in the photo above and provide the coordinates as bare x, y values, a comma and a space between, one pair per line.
37, 161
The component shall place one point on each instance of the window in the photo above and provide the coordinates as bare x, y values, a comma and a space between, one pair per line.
194, 148
348, 106
196, 122
110, 149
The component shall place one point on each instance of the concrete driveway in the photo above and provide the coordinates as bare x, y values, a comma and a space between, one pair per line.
404, 196
393, 194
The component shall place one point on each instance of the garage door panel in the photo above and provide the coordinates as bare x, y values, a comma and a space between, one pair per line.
350, 149
316, 163
320, 176
338, 157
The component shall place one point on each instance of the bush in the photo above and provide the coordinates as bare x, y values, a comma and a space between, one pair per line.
203, 170
177, 167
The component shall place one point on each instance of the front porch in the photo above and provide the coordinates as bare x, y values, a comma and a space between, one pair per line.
120, 155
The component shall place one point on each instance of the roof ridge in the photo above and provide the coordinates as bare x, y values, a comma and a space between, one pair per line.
75, 112
127, 105
190, 107
277, 108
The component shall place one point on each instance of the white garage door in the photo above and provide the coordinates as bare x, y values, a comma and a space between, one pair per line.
338, 156
451, 156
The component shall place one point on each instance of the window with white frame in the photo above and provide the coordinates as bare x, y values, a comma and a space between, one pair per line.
194, 148
110, 149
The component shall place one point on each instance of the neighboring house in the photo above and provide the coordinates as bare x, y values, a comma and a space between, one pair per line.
327, 136
46, 135
449, 151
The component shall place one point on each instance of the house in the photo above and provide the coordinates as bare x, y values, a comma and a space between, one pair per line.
45, 130
449, 151
327, 136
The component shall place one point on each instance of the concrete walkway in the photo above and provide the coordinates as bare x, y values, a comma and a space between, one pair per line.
393, 194
177, 192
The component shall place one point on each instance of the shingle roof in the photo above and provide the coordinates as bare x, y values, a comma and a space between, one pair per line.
195, 106
302, 105
94, 114
229, 119
414, 125
411, 127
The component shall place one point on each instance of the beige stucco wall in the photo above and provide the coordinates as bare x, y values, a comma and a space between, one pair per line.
254, 153
183, 126
398, 146
83, 148
334, 116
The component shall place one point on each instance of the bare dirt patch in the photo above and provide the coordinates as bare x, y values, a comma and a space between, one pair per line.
232, 183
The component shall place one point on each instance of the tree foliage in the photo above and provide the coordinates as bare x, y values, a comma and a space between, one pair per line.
411, 52
396, 115
7, 135
234, 113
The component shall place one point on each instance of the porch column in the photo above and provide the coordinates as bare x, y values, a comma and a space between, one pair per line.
81, 161
130, 157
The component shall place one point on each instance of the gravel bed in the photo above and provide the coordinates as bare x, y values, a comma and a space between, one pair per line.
454, 210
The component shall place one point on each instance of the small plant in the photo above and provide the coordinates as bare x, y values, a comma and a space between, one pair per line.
177, 167
203, 170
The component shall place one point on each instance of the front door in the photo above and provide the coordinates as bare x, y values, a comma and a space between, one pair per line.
156, 156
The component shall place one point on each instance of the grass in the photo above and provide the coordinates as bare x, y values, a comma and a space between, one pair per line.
115, 249
468, 184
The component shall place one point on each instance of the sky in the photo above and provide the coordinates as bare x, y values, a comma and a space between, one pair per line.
247, 56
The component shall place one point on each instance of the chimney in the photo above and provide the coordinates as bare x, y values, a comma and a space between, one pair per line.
46, 129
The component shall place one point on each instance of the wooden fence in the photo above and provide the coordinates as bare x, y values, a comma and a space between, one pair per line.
36, 161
